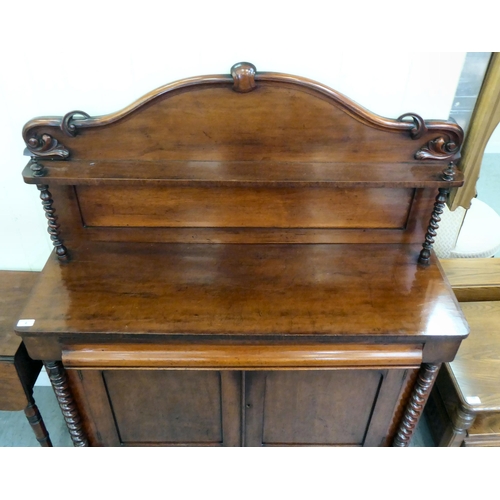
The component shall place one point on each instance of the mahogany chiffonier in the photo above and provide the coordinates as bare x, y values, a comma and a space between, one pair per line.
18, 372
245, 260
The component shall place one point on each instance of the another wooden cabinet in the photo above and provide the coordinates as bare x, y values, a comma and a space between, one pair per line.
242, 259
18, 372
464, 407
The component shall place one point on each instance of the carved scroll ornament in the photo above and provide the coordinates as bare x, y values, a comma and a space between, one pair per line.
44, 145
443, 147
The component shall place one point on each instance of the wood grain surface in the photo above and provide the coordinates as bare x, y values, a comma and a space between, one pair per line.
476, 368
138, 206
242, 173
349, 290
15, 287
241, 357
473, 279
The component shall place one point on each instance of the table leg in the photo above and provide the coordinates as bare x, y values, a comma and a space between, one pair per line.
415, 406
59, 381
36, 421
461, 420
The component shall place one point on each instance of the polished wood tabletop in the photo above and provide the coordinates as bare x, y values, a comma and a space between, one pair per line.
376, 290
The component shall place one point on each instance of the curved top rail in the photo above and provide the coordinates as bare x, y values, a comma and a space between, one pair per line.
244, 79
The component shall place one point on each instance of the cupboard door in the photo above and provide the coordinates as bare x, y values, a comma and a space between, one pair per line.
163, 407
313, 408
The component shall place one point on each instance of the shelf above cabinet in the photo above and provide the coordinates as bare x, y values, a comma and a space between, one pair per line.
243, 173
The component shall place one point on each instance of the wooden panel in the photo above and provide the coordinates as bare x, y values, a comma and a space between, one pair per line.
15, 287
98, 420
94, 400
139, 206
414, 231
206, 356
275, 122
92, 405
310, 408
231, 408
473, 279
12, 395
379, 430
73, 232
168, 407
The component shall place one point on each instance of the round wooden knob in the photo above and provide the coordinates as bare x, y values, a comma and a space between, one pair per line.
243, 74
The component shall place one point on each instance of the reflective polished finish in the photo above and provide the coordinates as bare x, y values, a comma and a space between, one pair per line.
241, 266
245, 290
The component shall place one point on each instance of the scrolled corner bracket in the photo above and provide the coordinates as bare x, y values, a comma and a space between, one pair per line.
440, 148
68, 125
243, 74
46, 146
419, 128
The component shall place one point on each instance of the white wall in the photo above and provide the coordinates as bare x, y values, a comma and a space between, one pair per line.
99, 57
493, 145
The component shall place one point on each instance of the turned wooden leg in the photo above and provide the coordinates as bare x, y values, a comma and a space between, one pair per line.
37, 424
461, 420
59, 381
413, 411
